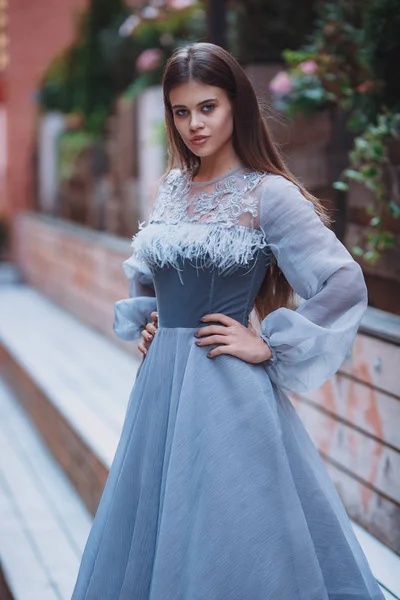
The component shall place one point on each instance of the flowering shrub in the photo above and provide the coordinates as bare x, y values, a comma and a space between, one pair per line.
180, 4
371, 165
300, 90
157, 30
149, 60
333, 67
351, 63
120, 48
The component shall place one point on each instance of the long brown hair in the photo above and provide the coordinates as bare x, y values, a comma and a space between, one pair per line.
252, 140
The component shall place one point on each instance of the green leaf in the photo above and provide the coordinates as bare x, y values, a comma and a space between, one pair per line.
370, 171
394, 209
375, 221
341, 186
352, 174
388, 239
314, 93
373, 238
378, 151
357, 251
371, 256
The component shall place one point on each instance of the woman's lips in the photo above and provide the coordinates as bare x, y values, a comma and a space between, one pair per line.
200, 141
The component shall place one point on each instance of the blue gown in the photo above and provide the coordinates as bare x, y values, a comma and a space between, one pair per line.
216, 491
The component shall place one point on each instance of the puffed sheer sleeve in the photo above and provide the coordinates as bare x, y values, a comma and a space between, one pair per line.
131, 315
310, 343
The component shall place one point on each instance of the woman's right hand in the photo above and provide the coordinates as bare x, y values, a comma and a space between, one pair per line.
148, 334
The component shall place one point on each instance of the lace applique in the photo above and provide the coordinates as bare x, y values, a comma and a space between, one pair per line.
216, 224
222, 202
169, 202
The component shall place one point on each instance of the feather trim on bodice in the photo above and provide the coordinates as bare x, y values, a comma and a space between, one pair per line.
206, 244
209, 223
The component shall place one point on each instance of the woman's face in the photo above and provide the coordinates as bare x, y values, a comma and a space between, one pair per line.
203, 117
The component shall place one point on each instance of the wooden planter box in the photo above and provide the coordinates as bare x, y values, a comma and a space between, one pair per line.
383, 277
305, 141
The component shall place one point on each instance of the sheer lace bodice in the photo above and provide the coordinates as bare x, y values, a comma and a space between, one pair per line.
227, 200
237, 222
214, 222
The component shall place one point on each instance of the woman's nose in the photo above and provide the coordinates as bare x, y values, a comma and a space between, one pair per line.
196, 123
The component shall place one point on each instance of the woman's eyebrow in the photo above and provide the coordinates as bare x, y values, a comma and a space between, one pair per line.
198, 104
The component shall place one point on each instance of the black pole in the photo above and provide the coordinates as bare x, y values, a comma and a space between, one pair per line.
216, 22
340, 145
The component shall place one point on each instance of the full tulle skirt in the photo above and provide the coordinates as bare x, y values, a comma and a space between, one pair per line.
216, 492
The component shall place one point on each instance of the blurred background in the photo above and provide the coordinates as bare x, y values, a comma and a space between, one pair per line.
82, 142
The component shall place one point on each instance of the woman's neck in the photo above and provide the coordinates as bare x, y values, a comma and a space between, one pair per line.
217, 164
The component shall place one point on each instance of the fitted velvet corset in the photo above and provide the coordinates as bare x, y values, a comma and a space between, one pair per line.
186, 295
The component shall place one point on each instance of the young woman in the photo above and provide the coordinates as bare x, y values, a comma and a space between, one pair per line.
216, 491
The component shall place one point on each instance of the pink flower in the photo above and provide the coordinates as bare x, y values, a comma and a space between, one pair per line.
308, 67
180, 4
150, 12
281, 84
129, 25
149, 60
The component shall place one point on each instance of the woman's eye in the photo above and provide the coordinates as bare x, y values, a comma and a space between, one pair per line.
182, 112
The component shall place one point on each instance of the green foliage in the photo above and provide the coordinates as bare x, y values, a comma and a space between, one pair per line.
356, 52
382, 30
100, 65
53, 94
337, 48
305, 93
71, 145
140, 84
165, 32
171, 28
86, 77
264, 28
371, 166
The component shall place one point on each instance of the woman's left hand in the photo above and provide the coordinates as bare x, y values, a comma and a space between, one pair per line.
235, 339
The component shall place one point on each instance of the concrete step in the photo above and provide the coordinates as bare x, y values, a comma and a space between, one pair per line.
385, 564
73, 382
75, 385
43, 522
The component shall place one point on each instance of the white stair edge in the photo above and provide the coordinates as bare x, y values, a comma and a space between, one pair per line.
43, 522
30, 320
384, 563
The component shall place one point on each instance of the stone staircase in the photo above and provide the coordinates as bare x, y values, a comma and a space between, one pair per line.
64, 390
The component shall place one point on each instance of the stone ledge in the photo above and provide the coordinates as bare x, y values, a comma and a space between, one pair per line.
382, 325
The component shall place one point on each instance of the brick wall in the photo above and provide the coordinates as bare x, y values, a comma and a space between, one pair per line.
80, 269
37, 31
